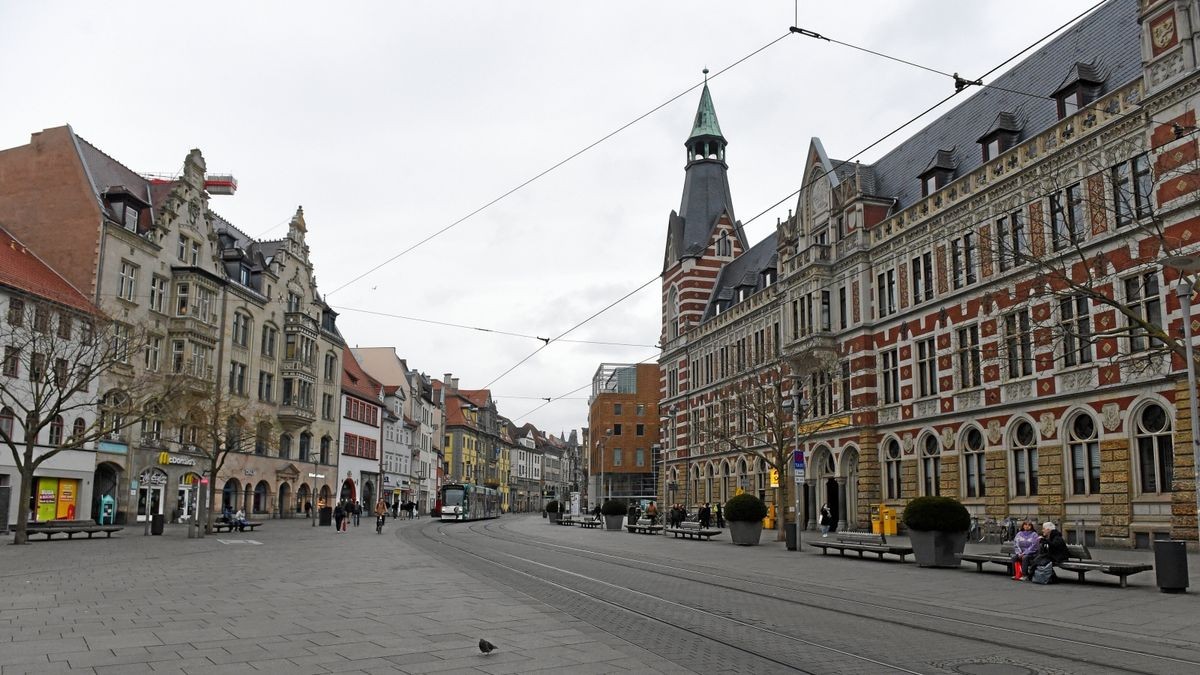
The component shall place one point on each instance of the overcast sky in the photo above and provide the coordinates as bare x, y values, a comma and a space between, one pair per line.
390, 121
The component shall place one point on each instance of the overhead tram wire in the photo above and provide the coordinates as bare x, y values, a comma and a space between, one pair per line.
840, 164
558, 164
481, 329
567, 396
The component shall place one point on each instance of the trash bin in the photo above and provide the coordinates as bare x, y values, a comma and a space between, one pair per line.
792, 535
325, 516
156, 524
1170, 565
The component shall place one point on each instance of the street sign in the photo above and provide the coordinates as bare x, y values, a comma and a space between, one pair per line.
798, 460
799, 475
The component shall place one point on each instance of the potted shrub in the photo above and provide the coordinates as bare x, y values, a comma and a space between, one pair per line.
614, 512
937, 528
552, 508
745, 514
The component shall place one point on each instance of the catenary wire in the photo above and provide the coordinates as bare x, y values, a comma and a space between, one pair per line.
556, 165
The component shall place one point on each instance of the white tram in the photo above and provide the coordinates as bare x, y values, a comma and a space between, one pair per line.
464, 501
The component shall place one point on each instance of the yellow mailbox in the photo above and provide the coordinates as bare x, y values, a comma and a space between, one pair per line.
887, 516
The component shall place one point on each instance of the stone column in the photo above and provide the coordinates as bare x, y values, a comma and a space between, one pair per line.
841, 497
810, 504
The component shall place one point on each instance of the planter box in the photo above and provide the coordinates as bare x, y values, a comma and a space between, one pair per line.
745, 533
555, 517
937, 549
613, 522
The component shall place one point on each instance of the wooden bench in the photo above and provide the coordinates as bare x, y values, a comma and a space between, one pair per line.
590, 523
565, 521
71, 528
1079, 561
862, 543
644, 526
692, 530
221, 526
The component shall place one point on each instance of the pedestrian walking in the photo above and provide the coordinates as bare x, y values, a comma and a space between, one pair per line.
357, 508
826, 520
652, 513
308, 509
720, 516
339, 514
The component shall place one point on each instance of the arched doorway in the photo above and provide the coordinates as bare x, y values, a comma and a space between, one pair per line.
285, 491
349, 491
368, 494
261, 500
105, 483
849, 471
824, 489
302, 497
229, 494
325, 497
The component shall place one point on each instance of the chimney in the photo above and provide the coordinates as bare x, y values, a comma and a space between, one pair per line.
448, 382
455, 385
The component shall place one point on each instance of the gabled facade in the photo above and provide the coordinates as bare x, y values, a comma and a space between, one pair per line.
990, 291
362, 422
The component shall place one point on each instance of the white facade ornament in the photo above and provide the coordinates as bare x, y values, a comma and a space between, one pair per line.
993, 432
948, 438
1110, 416
1046, 424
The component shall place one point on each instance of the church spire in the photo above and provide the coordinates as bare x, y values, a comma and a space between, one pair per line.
706, 141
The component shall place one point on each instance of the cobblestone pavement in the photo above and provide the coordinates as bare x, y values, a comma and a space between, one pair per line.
298, 599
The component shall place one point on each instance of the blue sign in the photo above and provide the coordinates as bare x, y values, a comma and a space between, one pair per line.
798, 460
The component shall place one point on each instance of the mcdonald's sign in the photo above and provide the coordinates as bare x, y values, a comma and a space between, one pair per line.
168, 458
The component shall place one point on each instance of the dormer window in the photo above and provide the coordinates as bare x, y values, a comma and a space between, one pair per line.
768, 277
1081, 86
724, 246
1004, 133
939, 172
131, 216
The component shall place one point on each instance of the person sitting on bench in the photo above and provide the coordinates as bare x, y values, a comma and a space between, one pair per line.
239, 521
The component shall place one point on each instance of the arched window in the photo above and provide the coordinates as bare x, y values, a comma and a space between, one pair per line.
6, 422
233, 434
305, 446
1024, 460
973, 460
931, 466
56, 431
285, 446
262, 439
1083, 452
325, 442
78, 427
672, 313
1155, 450
891, 461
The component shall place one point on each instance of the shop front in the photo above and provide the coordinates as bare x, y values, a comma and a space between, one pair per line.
167, 485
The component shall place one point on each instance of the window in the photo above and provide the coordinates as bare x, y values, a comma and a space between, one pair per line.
616, 408
285, 447
16, 312
56, 431
640, 456
1076, 330
158, 292
65, 324
120, 342
37, 367
1012, 241
1018, 344
41, 318
845, 386
78, 427
891, 461
1155, 451
241, 329
12, 361
182, 293
195, 253
6, 422
927, 375
326, 442
269, 335
931, 466
724, 246
956, 263
330, 366
266, 386
969, 374
1066, 217
885, 284
993, 147
843, 314
1142, 299
1025, 460
640, 430
153, 353
127, 285
973, 461
326, 406
177, 356
639, 409
922, 278
616, 457
1083, 451
182, 249
1132, 184
237, 378
891, 377
61, 373
616, 428
293, 302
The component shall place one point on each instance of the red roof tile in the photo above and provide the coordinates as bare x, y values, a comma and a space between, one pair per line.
21, 269
356, 381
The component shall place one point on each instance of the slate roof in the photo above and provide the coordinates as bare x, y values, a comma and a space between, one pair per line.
1107, 43
1005, 121
746, 269
22, 270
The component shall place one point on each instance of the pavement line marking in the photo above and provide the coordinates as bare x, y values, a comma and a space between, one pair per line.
240, 541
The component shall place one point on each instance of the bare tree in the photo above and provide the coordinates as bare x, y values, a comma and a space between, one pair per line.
54, 359
772, 410
214, 423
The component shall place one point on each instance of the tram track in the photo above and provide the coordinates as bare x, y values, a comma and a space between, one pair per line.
1095, 653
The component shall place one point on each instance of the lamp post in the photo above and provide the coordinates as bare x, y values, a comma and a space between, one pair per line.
1185, 265
796, 405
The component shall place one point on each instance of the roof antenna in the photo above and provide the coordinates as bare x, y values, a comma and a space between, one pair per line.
795, 22
706, 77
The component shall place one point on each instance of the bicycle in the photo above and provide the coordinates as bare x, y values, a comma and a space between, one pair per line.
379, 524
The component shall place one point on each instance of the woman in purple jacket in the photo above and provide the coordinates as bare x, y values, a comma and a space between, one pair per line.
1024, 544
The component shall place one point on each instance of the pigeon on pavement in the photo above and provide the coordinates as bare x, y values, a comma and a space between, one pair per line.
485, 646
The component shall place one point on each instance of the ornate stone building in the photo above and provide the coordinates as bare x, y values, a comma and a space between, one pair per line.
992, 294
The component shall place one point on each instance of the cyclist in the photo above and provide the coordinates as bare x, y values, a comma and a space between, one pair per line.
381, 510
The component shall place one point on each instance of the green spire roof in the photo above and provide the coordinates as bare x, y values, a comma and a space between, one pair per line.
706, 118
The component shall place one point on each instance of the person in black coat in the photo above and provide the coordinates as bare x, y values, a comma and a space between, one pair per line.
1053, 550
705, 516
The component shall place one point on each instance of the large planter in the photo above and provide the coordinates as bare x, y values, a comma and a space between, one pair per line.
613, 522
745, 533
555, 516
933, 548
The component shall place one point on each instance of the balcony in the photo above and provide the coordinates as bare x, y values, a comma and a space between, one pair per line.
294, 417
194, 327
814, 342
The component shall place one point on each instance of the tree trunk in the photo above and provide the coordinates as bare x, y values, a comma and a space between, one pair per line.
212, 496
780, 510
21, 534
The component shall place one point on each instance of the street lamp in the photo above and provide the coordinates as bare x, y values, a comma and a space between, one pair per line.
600, 492
1185, 265
795, 404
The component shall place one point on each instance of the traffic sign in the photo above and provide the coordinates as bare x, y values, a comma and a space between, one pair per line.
798, 461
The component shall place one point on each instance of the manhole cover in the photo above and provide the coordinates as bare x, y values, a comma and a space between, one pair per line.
994, 669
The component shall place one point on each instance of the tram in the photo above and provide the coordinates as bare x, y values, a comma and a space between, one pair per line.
464, 501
